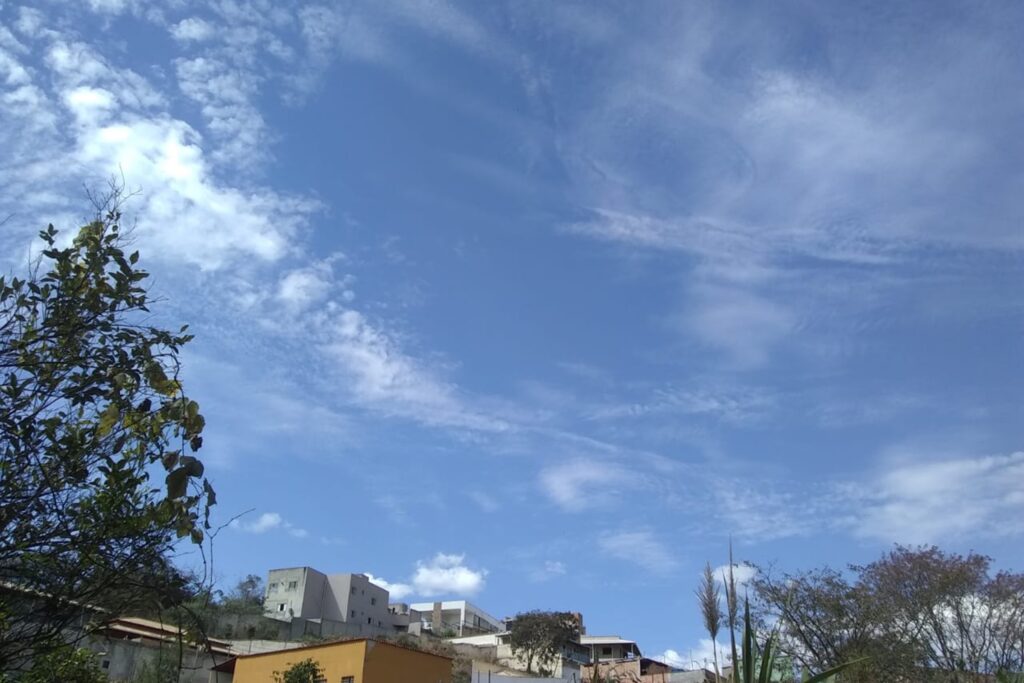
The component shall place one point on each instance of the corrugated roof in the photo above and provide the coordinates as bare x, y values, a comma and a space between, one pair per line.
604, 640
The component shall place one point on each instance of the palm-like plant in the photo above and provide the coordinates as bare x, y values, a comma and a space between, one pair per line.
708, 596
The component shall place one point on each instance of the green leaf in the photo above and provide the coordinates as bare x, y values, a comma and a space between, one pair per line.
177, 483
826, 675
108, 418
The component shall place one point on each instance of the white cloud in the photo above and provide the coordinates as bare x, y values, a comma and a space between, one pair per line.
583, 483
936, 501
641, 548
303, 287
443, 574
396, 591
700, 657
117, 125
447, 575
741, 573
225, 95
389, 379
193, 29
269, 521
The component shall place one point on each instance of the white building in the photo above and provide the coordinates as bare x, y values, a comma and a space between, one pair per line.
568, 665
456, 618
604, 648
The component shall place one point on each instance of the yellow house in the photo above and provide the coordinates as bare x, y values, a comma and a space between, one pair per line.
350, 661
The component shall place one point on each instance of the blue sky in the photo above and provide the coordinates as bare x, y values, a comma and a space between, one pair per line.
538, 303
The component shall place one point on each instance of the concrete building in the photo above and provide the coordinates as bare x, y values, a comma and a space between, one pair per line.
319, 604
604, 648
567, 666
456, 618
351, 661
304, 592
125, 647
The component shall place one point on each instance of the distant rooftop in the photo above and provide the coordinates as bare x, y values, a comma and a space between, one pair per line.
605, 640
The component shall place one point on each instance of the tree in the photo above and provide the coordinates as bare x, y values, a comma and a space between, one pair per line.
65, 664
541, 636
709, 597
247, 595
919, 613
91, 413
306, 671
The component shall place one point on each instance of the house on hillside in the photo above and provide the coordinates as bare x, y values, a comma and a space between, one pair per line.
351, 661
567, 666
615, 657
126, 646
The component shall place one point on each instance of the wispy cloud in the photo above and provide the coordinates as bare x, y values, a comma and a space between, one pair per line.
641, 548
551, 569
928, 501
583, 483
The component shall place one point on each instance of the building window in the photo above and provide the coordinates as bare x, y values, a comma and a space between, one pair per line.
272, 587
353, 614
280, 606
353, 590
606, 650
292, 585
369, 620
373, 601
106, 664
348, 679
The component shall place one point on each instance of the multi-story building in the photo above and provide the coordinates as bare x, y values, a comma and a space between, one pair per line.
322, 603
454, 618
610, 647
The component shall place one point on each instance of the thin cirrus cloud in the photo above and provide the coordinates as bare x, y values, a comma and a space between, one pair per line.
584, 483
911, 501
642, 548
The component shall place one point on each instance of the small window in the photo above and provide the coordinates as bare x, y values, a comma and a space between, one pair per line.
348, 679
272, 587
280, 606
353, 590
369, 620
106, 664
353, 614
292, 585
373, 601
606, 650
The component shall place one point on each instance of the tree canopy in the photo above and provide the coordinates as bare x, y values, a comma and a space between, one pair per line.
916, 613
306, 671
540, 636
98, 478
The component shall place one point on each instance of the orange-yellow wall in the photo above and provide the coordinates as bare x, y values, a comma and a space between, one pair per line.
336, 660
389, 664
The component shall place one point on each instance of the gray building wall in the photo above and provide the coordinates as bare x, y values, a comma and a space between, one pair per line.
294, 592
304, 593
